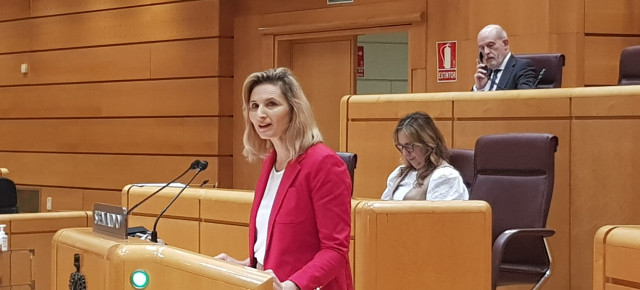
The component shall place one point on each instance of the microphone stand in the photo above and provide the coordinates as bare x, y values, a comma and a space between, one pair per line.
154, 233
195, 164
540, 75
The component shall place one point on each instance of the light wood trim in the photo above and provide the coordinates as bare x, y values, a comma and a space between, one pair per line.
186, 207
30, 235
517, 108
462, 246
129, 62
103, 172
179, 20
417, 82
625, 102
611, 17
148, 135
344, 123
110, 261
79, 65
602, 58
216, 238
14, 9
62, 199
599, 256
341, 33
47, 7
338, 18
179, 232
616, 252
398, 105
16, 37
91, 197
194, 58
177, 97
233, 206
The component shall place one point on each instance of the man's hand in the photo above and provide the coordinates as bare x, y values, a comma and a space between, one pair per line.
481, 77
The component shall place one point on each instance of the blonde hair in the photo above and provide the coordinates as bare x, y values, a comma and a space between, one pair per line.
302, 132
421, 129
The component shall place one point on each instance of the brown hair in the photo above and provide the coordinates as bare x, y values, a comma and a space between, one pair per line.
421, 129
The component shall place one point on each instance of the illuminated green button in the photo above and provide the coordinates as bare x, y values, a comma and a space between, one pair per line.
139, 279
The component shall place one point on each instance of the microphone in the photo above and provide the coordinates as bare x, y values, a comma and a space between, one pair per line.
540, 75
200, 167
195, 164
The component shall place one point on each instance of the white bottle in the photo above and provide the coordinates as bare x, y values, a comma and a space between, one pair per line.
4, 239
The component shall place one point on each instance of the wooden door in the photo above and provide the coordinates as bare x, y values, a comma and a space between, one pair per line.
325, 69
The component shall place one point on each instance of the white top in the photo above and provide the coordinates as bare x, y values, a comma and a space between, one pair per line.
445, 184
264, 211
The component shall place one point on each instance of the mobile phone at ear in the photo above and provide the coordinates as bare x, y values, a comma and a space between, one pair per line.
481, 61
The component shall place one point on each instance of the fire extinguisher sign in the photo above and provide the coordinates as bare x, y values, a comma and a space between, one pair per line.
447, 62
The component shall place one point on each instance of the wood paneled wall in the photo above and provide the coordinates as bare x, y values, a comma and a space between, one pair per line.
117, 92
120, 92
590, 33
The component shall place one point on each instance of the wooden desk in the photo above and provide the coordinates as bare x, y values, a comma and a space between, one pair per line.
596, 163
30, 237
616, 258
394, 245
108, 263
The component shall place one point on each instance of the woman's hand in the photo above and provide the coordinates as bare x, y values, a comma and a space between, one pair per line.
286, 285
227, 258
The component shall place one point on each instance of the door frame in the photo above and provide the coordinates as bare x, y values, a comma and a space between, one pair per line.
352, 20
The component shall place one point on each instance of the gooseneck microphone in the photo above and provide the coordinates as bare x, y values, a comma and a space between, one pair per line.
194, 165
540, 75
200, 167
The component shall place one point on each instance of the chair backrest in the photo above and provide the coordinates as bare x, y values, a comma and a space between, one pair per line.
629, 73
8, 196
462, 160
552, 63
351, 159
515, 175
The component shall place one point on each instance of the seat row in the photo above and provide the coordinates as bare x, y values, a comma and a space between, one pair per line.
552, 63
514, 173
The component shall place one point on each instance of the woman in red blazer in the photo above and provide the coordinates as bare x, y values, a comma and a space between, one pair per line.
301, 215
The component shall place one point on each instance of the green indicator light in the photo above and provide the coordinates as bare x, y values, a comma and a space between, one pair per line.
139, 279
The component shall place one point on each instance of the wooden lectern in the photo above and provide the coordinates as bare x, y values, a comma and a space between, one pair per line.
108, 263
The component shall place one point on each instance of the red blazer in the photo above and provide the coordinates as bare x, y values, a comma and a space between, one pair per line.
310, 222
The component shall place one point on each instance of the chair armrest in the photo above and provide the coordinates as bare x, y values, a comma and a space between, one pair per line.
503, 239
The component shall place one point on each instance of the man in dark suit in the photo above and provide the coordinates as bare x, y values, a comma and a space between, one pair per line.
497, 68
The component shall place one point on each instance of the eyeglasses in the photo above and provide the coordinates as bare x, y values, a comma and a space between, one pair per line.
407, 147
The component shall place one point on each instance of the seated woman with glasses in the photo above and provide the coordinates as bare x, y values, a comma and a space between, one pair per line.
425, 173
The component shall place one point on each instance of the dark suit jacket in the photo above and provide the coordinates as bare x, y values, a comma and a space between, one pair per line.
519, 73
310, 222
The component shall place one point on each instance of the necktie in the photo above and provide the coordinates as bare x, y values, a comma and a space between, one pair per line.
494, 79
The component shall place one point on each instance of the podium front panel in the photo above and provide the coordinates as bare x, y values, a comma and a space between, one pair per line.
107, 263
